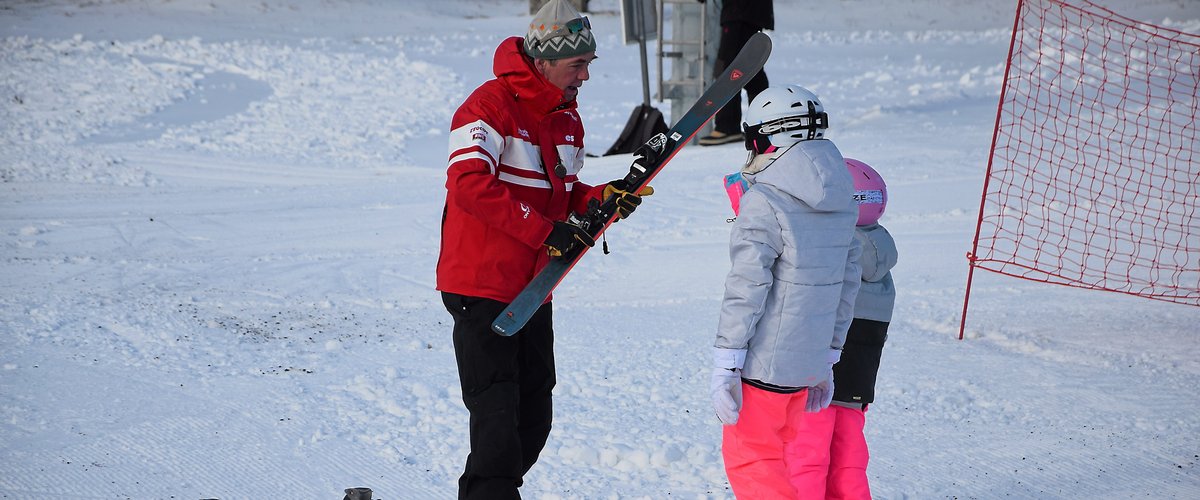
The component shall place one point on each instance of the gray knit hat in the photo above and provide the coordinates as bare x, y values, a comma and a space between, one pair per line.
559, 31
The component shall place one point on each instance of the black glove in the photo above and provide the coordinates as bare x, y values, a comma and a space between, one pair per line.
564, 236
626, 202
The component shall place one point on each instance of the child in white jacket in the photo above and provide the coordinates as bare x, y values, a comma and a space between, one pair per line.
855, 374
789, 298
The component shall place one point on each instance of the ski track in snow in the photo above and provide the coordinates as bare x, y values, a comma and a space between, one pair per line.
218, 250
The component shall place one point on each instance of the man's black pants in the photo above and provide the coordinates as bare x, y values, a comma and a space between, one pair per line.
506, 386
733, 37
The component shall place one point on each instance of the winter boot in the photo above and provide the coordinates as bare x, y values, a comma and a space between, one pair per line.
717, 137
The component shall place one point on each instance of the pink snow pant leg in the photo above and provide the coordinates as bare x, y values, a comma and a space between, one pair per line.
807, 453
776, 450
848, 456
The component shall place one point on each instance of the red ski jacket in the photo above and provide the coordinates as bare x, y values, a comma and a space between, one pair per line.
515, 156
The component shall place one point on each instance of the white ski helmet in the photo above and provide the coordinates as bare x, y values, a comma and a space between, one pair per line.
784, 115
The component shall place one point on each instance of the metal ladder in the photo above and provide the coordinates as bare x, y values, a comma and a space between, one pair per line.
688, 49
685, 48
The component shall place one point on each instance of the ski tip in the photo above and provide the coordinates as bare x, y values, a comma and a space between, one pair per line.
762, 38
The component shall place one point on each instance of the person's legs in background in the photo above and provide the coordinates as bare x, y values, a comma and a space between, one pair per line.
727, 125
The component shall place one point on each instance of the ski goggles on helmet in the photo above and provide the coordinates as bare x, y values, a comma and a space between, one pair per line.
758, 136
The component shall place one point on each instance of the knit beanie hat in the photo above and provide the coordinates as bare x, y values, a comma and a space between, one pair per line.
558, 31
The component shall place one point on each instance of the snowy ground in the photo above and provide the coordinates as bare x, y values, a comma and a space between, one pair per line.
219, 224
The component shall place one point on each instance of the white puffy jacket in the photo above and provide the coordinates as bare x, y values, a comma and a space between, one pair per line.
789, 296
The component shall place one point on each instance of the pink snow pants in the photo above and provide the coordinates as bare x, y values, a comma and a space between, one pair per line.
848, 455
778, 451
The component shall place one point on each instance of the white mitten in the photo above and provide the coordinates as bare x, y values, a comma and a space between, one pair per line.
727, 394
726, 388
821, 395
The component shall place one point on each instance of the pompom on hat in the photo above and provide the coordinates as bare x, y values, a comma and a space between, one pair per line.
558, 31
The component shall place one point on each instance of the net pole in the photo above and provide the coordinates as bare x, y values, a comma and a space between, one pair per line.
971, 256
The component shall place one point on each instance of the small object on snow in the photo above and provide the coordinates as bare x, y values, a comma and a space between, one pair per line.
358, 494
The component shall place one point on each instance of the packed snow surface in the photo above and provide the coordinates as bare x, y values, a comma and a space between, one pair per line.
220, 223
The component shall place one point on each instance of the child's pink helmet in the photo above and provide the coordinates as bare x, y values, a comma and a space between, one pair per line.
870, 192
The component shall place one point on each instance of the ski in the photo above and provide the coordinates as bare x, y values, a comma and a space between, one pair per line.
749, 61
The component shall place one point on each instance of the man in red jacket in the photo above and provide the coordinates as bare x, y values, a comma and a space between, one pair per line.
516, 149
